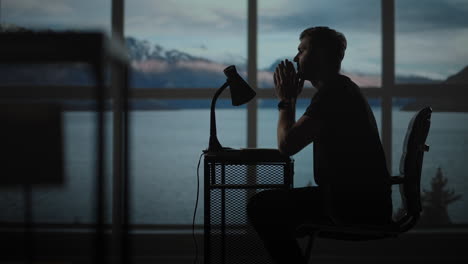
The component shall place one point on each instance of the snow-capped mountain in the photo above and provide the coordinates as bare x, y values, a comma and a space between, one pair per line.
141, 50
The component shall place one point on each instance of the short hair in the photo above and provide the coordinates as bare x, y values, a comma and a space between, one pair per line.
331, 41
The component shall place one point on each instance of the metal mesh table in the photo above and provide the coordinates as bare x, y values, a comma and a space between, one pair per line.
231, 178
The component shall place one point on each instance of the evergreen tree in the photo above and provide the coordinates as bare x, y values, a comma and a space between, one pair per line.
436, 201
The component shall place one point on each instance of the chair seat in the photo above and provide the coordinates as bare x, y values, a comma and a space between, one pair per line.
348, 232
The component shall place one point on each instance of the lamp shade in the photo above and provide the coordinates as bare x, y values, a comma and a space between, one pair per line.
241, 92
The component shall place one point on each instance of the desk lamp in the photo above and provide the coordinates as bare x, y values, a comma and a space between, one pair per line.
241, 93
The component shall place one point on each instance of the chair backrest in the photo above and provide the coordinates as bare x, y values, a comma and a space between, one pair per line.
411, 165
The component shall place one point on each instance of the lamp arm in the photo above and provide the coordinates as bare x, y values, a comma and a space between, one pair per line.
214, 144
213, 104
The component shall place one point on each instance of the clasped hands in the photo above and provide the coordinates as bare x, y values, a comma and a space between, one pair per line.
288, 84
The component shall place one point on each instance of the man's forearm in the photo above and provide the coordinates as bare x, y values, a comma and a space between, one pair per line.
287, 118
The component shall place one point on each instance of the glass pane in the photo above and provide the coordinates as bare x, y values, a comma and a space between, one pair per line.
57, 15
281, 23
185, 44
165, 147
448, 143
431, 39
303, 161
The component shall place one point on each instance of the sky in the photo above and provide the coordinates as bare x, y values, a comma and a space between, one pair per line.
431, 35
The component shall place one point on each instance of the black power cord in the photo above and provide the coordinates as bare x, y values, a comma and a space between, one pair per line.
195, 211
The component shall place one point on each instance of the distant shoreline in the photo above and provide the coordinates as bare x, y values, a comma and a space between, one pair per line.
403, 104
438, 105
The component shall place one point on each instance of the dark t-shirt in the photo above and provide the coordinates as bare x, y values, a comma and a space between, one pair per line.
348, 154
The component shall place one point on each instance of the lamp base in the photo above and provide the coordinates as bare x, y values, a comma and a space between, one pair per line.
214, 145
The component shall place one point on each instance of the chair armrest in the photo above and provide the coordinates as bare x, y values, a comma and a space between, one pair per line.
308, 229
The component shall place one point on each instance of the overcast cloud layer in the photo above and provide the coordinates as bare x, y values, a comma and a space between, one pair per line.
431, 34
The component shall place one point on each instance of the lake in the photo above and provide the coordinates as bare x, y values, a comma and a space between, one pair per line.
166, 145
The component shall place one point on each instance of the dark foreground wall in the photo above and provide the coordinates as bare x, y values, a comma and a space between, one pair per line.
442, 246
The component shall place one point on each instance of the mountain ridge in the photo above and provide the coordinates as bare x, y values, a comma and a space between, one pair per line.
152, 66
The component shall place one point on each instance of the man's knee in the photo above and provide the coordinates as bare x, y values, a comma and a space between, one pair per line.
252, 208
261, 204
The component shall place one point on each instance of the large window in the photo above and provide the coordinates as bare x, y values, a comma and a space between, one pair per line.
178, 50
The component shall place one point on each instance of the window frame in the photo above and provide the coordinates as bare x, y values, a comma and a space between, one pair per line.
387, 92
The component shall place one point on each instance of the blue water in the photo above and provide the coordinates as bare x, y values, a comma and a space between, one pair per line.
165, 146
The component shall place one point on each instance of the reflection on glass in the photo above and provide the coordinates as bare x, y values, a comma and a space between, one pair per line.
448, 143
280, 24
185, 44
431, 39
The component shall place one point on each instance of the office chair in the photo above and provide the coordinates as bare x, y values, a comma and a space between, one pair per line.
409, 181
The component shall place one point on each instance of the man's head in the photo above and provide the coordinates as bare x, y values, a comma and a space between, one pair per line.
320, 53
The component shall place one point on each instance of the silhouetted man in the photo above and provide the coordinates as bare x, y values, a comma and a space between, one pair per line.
349, 162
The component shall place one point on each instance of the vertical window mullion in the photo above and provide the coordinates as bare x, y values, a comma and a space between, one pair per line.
252, 72
388, 75
117, 179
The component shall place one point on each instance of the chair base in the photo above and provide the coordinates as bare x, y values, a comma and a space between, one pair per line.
351, 233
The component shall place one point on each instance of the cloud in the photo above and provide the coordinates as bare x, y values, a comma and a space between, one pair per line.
363, 15
184, 24
58, 14
300, 14
430, 35
208, 16
434, 54
414, 16
184, 17
39, 8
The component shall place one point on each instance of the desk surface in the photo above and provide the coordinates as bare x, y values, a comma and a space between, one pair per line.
248, 155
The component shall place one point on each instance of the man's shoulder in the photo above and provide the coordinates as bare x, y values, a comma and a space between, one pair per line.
340, 95
347, 84
340, 85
